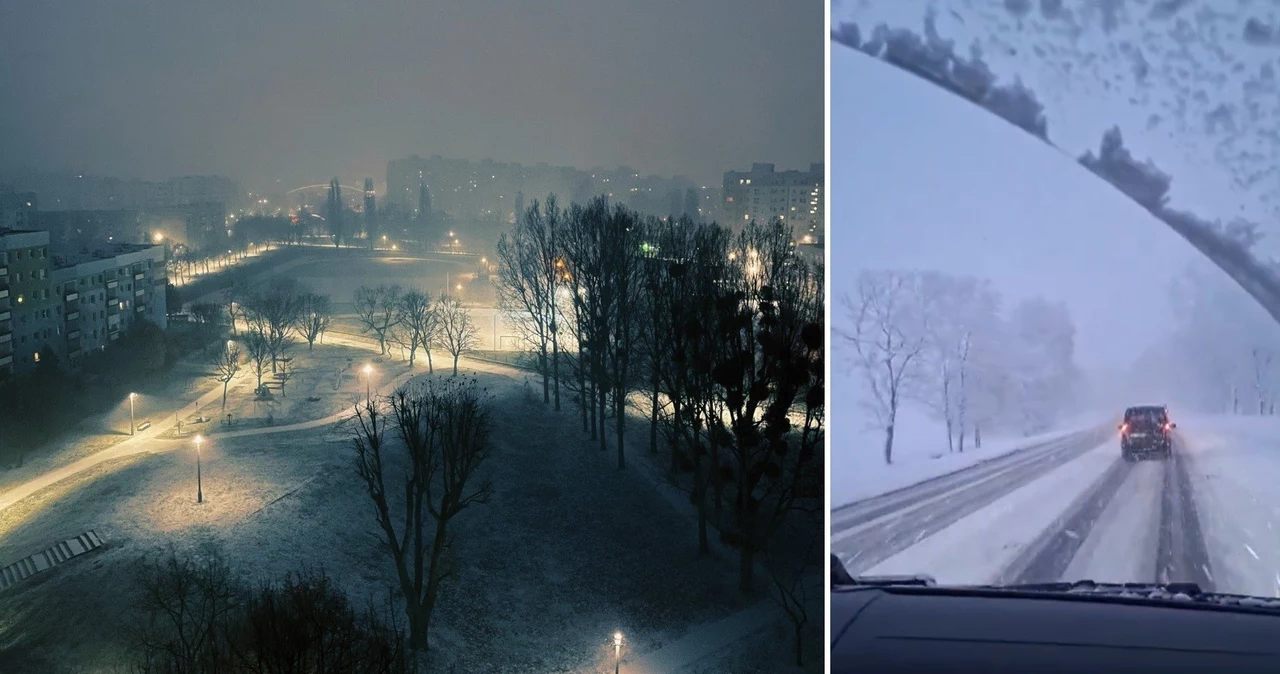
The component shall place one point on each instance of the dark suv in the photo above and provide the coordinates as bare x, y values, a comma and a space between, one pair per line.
1146, 430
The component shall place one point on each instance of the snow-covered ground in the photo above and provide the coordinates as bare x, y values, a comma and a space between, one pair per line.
858, 470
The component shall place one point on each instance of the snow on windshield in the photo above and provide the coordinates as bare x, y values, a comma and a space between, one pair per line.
987, 340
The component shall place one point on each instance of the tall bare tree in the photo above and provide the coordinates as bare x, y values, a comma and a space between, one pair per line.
225, 360
420, 323
315, 312
888, 336
273, 311
378, 310
444, 428
768, 371
457, 331
529, 276
258, 346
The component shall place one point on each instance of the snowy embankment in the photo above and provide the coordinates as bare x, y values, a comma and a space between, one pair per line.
858, 470
1234, 463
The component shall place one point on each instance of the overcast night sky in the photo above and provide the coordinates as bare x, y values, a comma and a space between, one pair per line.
297, 91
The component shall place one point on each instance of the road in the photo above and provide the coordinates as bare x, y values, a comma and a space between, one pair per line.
1068, 509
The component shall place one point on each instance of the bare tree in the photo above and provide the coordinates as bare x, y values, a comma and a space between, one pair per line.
796, 586
258, 347
457, 332
378, 310
528, 272
768, 370
184, 606
234, 295
315, 312
420, 323
888, 337
273, 311
445, 431
1261, 376
226, 364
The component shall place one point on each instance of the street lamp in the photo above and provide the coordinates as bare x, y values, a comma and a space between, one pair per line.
617, 651
199, 484
368, 374
131, 424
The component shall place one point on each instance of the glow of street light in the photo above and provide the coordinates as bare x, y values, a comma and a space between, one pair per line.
132, 396
459, 286
199, 440
158, 237
368, 369
617, 639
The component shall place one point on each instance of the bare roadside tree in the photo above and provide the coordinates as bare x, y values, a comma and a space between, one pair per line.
185, 605
528, 280
225, 360
457, 332
888, 337
235, 295
797, 587
377, 309
315, 312
445, 428
419, 322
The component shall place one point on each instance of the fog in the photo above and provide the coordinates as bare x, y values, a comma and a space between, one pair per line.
285, 93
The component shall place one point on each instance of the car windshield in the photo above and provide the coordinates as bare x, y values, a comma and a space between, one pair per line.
1053, 220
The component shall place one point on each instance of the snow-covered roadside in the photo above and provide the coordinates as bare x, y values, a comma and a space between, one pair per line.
1233, 464
858, 470
976, 548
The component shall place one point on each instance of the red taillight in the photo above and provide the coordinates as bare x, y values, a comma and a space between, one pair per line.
1168, 427
1124, 428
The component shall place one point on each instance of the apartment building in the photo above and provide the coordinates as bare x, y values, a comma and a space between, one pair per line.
764, 194
72, 304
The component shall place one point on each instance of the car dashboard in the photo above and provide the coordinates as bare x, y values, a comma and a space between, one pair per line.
940, 630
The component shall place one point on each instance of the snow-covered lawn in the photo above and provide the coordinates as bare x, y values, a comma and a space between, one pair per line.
858, 470
568, 550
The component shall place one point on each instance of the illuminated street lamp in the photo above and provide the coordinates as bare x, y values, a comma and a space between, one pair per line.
199, 484
459, 287
617, 651
368, 374
132, 427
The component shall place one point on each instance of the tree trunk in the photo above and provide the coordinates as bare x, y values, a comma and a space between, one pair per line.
653, 414
799, 644
746, 566
888, 444
431, 369
700, 496
545, 370
620, 405
555, 366
224, 392
455, 364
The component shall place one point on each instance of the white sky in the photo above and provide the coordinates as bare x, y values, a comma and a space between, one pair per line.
921, 178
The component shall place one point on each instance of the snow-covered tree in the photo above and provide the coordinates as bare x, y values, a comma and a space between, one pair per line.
1042, 367
888, 336
963, 332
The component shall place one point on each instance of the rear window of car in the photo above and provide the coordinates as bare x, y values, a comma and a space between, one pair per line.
1145, 415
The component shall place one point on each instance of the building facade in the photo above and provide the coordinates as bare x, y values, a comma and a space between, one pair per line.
71, 304
764, 194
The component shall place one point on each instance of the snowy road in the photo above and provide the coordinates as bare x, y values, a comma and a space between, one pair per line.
1061, 510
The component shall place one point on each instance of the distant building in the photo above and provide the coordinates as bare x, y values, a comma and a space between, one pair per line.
488, 190
17, 209
62, 191
763, 194
72, 303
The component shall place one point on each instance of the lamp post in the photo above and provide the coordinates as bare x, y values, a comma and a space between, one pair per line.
368, 374
199, 482
617, 651
132, 426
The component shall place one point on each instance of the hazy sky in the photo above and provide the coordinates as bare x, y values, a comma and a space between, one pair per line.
299, 90
922, 179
